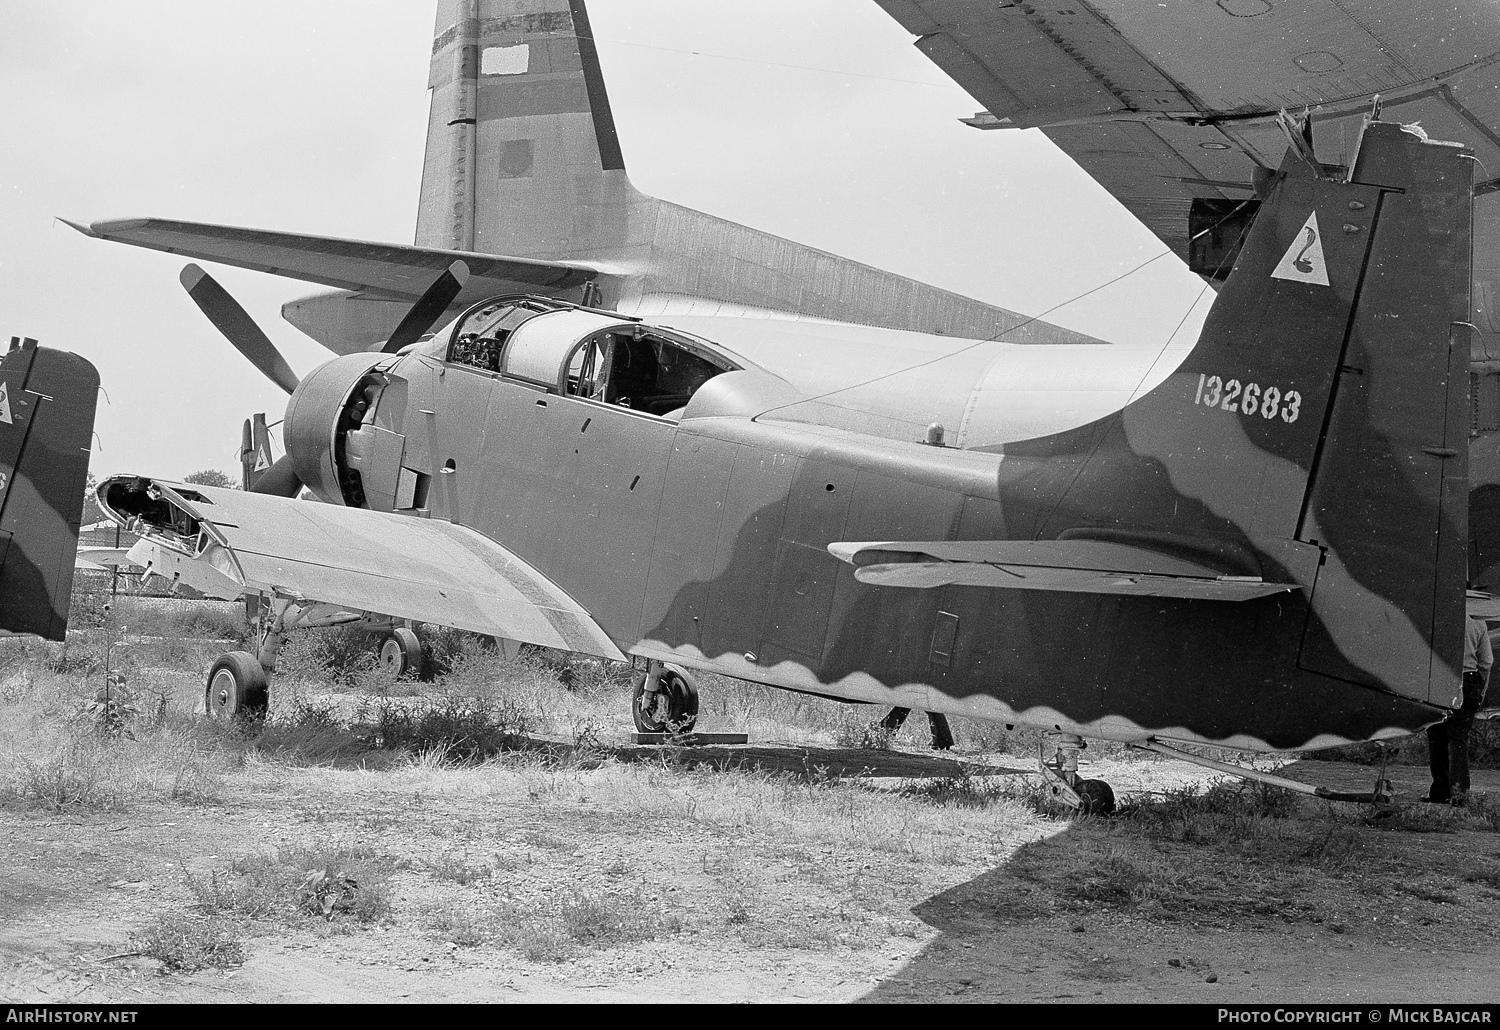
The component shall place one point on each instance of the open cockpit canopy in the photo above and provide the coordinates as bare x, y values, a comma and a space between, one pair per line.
581, 352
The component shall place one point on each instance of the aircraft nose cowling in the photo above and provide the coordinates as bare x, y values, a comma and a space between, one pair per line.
321, 410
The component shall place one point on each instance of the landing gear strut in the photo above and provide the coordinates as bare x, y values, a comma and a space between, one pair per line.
664, 699
1090, 797
239, 682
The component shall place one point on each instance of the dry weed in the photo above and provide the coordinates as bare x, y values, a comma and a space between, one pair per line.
188, 943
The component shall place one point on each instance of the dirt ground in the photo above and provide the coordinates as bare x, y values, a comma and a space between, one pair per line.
813, 914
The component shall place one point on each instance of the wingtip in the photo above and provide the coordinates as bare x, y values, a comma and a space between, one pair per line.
87, 230
848, 550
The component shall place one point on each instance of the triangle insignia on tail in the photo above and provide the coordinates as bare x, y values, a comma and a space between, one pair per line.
1303, 261
5, 404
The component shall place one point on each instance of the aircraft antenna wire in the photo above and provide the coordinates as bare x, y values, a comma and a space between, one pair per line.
992, 339
1229, 253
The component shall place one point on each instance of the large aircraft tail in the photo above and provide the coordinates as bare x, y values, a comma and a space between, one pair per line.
522, 155
524, 180
47, 400
523, 160
1318, 433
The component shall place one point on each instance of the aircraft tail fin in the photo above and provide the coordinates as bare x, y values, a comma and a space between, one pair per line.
1321, 421
522, 151
523, 159
255, 450
47, 401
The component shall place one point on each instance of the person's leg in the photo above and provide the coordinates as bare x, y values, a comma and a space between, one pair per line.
1459, 724
942, 734
895, 719
1437, 761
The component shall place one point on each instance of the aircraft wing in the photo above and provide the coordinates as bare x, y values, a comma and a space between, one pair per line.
227, 543
380, 270
1162, 103
1070, 566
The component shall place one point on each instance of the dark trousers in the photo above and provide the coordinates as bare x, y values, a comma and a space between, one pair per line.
1448, 743
937, 722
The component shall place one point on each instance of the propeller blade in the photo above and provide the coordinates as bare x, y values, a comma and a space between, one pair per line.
237, 326
429, 307
279, 479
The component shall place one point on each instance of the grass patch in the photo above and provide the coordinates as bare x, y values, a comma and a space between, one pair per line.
187, 943
326, 882
458, 729
452, 869
552, 931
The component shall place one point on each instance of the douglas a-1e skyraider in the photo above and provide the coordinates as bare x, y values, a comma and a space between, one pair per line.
1265, 550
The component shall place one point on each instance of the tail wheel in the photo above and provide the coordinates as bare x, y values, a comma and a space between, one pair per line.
237, 688
673, 708
1097, 796
401, 654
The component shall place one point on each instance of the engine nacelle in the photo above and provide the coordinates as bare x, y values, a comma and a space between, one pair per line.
328, 403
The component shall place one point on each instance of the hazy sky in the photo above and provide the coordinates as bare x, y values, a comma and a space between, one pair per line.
816, 120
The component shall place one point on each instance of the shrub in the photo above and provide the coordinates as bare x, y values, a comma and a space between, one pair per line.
462, 729
188, 943
325, 882
342, 655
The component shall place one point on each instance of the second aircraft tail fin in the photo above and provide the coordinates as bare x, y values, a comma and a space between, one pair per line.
47, 402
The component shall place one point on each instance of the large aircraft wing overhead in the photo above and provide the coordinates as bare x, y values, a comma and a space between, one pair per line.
382, 270
1167, 103
227, 542
1070, 566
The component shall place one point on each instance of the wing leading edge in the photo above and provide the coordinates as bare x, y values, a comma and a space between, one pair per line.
1070, 566
228, 543
386, 270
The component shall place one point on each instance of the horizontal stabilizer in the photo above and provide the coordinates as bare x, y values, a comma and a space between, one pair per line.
1071, 566
102, 559
392, 270
228, 542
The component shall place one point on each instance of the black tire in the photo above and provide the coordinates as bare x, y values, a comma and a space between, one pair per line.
401, 654
236, 688
676, 706
1098, 797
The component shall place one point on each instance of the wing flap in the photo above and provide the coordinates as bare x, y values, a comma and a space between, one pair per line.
1069, 566
429, 571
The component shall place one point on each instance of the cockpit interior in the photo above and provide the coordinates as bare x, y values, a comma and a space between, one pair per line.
598, 356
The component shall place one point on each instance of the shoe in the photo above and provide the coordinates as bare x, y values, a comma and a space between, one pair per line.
1437, 800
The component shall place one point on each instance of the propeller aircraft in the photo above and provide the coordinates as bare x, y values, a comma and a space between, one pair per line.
650, 435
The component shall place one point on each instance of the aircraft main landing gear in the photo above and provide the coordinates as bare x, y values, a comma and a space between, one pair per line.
1089, 797
236, 688
238, 684
664, 699
401, 654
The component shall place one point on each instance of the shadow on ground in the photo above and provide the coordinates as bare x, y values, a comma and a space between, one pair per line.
1333, 904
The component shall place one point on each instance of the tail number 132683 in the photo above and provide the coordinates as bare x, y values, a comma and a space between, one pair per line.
1248, 398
